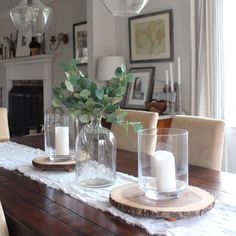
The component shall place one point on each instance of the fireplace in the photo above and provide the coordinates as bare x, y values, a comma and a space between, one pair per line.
27, 91
26, 107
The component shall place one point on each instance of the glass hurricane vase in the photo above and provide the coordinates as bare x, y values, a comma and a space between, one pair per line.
95, 155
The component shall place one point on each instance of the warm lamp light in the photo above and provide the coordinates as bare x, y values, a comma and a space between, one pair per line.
31, 17
107, 66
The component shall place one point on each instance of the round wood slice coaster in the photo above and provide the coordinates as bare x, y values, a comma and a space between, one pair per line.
44, 163
192, 202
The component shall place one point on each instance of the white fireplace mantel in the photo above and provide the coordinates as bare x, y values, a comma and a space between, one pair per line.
31, 68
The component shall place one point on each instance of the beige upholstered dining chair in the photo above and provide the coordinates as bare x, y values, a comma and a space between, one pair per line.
4, 128
206, 139
129, 141
3, 224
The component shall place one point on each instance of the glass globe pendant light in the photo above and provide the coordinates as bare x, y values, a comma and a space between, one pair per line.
31, 17
125, 7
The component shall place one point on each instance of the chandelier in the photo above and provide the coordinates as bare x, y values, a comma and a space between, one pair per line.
31, 17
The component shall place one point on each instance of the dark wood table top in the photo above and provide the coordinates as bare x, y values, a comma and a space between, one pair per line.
32, 208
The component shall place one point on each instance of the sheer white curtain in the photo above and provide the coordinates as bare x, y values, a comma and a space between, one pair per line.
207, 75
207, 97
230, 79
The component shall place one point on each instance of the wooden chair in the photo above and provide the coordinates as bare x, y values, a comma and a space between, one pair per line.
206, 139
129, 141
4, 128
3, 224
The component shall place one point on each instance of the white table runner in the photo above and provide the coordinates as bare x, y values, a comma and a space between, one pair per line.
219, 221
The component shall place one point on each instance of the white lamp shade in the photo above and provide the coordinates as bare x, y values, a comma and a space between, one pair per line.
107, 66
31, 17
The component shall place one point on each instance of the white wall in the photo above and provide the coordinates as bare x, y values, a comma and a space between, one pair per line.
66, 13
182, 46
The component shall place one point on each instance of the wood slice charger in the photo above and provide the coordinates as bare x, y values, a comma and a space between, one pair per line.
192, 202
44, 163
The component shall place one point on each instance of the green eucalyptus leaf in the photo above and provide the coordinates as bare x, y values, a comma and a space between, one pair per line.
100, 93
85, 118
122, 114
85, 93
111, 108
55, 102
123, 68
62, 85
77, 95
84, 83
81, 73
69, 86
137, 126
73, 80
93, 88
130, 77
118, 72
119, 92
74, 62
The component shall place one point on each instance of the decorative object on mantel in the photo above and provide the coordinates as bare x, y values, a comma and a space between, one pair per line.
95, 145
34, 47
125, 7
107, 66
61, 38
31, 17
44, 163
151, 37
22, 45
163, 162
193, 202
11, 45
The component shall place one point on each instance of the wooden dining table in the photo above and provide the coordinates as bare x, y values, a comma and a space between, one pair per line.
32, 208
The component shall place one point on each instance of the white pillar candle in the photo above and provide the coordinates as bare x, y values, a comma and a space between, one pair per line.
165, 171
62, 140
179, 71
167, 78
171, 78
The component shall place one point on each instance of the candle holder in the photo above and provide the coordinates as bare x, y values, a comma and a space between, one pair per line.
178, 104
170, 103
162, 162
60, 134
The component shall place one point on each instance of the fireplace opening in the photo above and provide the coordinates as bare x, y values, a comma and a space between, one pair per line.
26, 107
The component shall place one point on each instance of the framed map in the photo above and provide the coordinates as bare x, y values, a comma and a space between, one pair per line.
151, 37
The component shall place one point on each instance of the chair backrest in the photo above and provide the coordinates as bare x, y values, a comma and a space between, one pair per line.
206, 139
3, 224
4, 128
129, 141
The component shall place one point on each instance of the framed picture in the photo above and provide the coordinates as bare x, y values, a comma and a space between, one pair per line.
22, 45
80, 42
141, 89
151, 37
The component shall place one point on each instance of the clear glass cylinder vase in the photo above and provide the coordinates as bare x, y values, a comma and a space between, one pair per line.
95, 155
60, 131
163, 162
